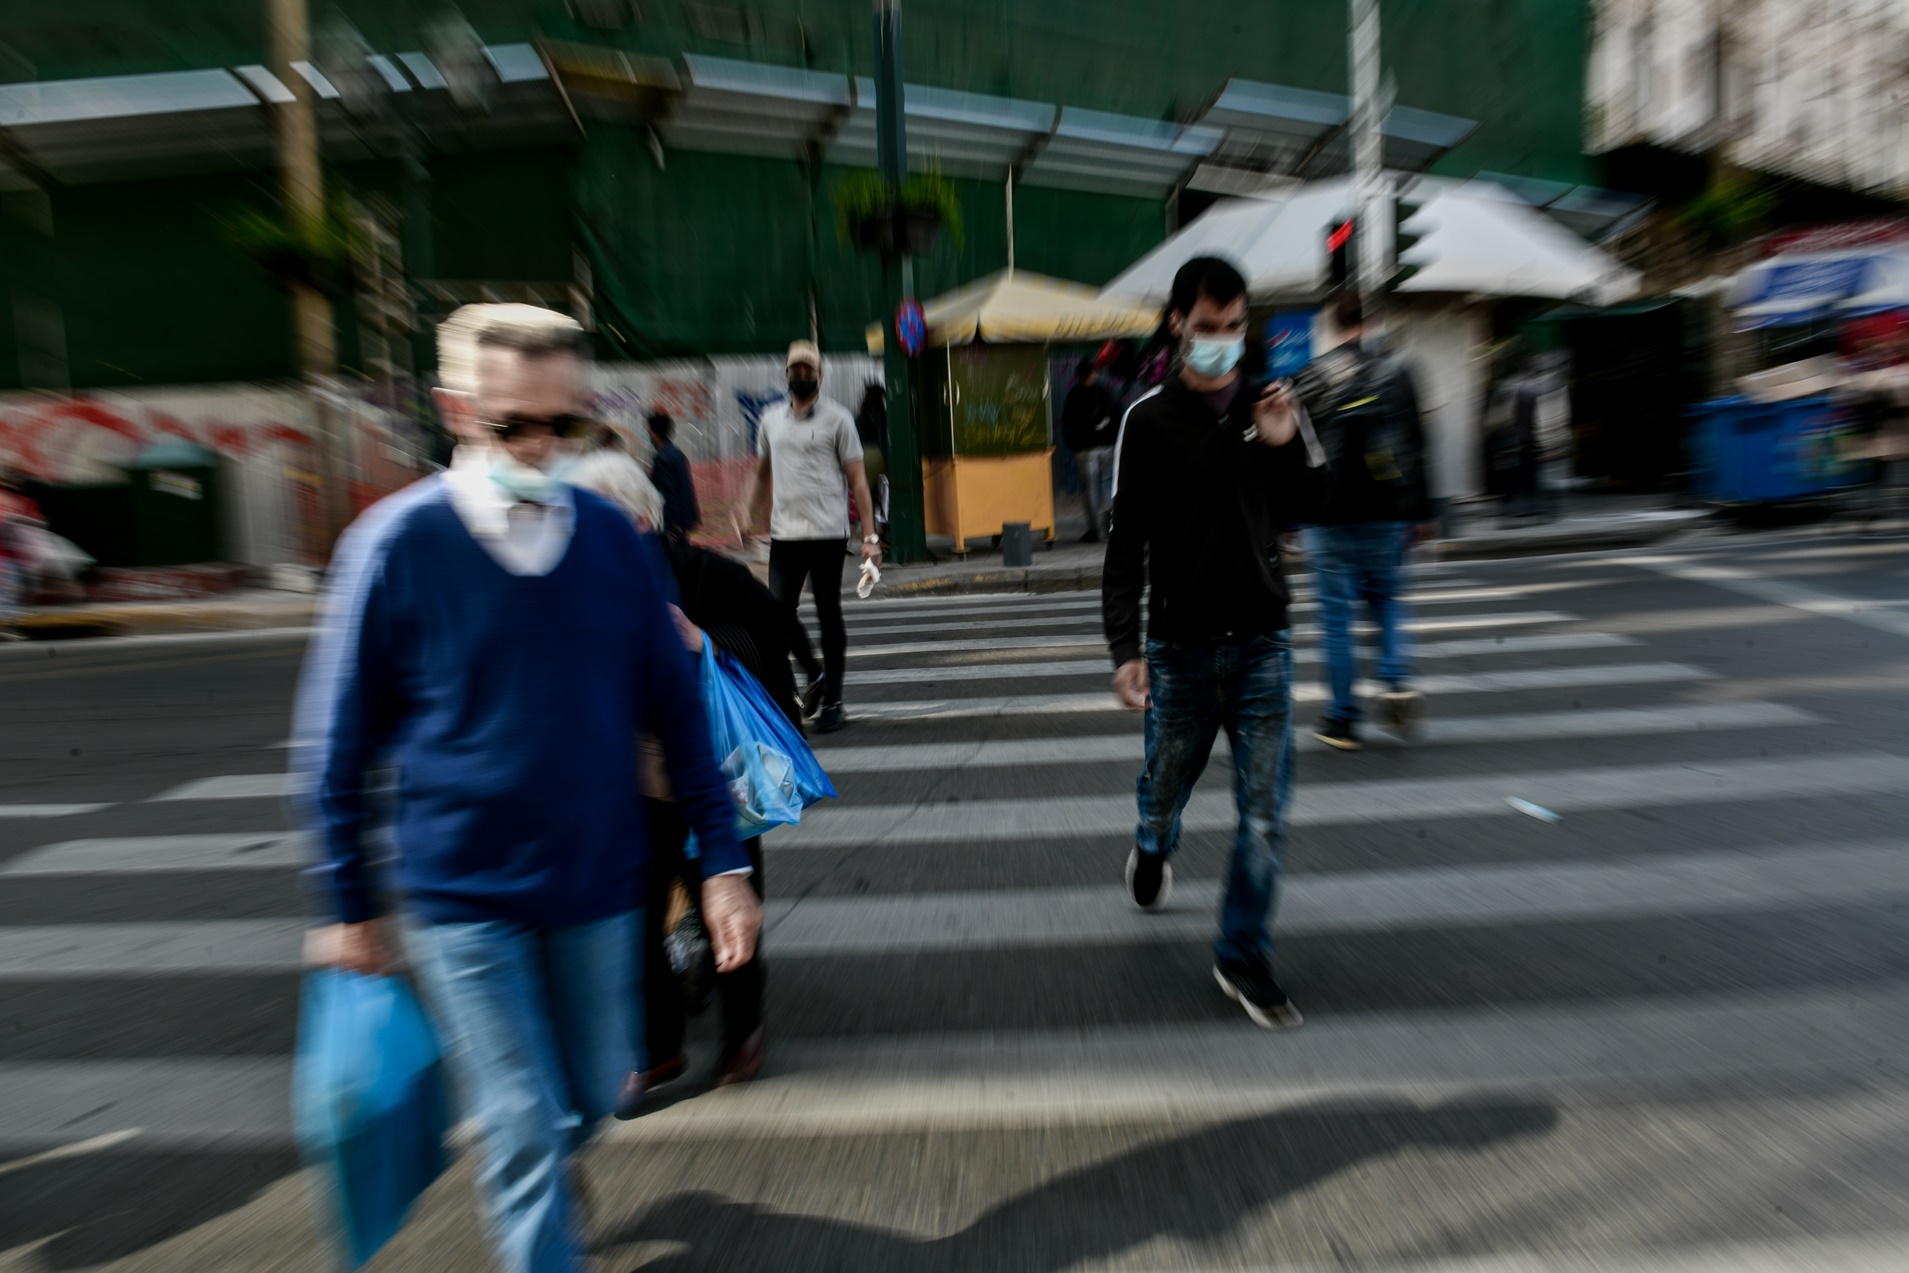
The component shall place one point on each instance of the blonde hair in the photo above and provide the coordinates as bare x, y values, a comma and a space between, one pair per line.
621, 480
530, 328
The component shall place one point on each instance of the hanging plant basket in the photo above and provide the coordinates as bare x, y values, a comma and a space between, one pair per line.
921, 229
909, 219
873, 232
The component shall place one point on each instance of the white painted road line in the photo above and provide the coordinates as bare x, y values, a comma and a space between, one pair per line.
1793, 877
864, 619
223, 851
151, 949
1179, 1073
1130, 747
1536, 643
1350, 902
233, 787
48, 810
1337, 803
1457, 623
1305, 692
1872, 614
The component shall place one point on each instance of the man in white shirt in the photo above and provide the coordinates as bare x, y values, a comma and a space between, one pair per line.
810, 456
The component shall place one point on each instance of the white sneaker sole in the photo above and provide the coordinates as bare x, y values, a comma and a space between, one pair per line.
1285, 1018
1166, 881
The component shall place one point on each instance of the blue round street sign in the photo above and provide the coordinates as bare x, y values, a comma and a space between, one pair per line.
911, 326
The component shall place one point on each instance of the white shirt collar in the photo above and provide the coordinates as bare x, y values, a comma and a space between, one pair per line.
522, 545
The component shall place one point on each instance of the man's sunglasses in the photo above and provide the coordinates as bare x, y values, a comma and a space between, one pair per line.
562, 426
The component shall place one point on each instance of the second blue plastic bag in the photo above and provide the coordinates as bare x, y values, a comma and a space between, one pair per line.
773, 776
368, 1104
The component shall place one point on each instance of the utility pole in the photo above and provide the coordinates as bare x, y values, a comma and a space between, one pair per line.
907, 527
1373, 242
302, 186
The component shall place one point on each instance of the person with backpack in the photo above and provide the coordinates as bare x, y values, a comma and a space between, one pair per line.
1366, 410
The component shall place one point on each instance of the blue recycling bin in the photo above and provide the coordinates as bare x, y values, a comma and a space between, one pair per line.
1771, 452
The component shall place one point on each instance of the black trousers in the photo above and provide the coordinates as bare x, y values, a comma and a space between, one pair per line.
819, 561
740, 991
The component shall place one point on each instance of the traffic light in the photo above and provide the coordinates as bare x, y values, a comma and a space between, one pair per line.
1339, 265
1408, 258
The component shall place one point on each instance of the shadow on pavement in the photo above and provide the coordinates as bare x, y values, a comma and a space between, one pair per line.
1196, 1188
107, 1206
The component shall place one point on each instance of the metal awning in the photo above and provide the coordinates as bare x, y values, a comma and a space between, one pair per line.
753, 108
1589, 210
123, 126
964, 134
1118, 154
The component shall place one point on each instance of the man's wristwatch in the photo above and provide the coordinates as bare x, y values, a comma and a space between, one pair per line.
871, 539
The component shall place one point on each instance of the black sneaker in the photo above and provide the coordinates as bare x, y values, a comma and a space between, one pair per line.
1340, 734
811, 700
831, 718
1092, 536
1252, 987
1401, 710
1149, 879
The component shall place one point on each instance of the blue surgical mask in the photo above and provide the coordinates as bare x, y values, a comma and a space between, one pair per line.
1214, 357
520, 480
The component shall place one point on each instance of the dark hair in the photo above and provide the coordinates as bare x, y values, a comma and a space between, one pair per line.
1348, 310
661, 425
1084, 368
1207, 276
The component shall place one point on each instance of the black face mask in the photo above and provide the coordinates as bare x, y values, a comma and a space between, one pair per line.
803, 388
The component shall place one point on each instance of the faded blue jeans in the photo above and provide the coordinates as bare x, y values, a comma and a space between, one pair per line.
1361, 562
1244, 687
537, 1023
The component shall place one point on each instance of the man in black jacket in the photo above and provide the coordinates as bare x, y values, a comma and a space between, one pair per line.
1211, 468
1089, 428
1366, 410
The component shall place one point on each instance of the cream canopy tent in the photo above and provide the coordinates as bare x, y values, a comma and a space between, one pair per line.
1015, 307
1475, 238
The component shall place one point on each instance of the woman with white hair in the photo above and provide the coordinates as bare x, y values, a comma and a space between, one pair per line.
741, 616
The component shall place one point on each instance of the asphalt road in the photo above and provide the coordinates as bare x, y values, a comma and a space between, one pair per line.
1670, 1029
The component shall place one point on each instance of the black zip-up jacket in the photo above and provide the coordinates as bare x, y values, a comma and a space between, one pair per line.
1200, 507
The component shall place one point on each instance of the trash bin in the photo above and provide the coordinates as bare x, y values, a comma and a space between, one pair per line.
1772, 452
1017, 544
176, 495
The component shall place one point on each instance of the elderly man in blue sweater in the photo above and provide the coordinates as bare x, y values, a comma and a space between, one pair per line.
503, 639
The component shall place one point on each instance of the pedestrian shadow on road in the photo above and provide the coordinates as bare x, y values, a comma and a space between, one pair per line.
1197, 1188
101, 1207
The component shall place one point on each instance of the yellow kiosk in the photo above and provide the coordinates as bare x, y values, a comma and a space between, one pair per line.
986, 433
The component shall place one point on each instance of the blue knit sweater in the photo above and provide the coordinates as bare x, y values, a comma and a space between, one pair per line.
511, 706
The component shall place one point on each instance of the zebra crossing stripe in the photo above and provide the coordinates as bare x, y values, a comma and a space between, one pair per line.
1792, 876
1453, 624
1305, 692
48, 810
1186, 1071
221, 851
1337, 803
1535, 643
1347, 902
1129, 747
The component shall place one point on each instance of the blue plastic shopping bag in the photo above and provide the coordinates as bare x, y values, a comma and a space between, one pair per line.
368, 1104
773, 776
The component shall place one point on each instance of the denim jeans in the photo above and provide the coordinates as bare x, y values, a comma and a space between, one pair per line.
1096, 468
1245, 687
537, 1023
1361, 562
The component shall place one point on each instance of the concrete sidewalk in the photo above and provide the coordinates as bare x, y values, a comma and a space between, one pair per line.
1591, 522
